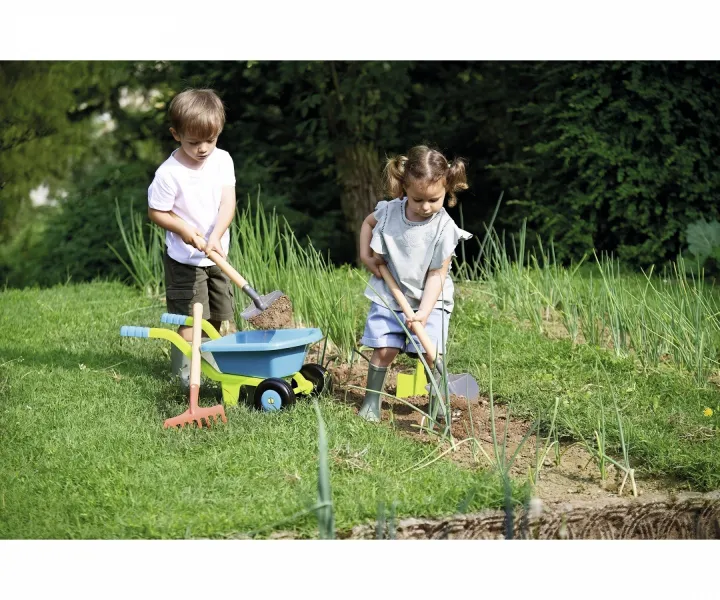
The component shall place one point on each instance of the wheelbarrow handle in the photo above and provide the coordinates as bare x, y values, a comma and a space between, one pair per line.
172, 319
417, 327
133, 331
228, 269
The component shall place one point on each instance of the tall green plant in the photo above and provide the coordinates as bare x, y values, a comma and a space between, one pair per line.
265, 250
324, 507
145, 252
676, 314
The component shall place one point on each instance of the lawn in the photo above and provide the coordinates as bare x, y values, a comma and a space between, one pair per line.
84, 453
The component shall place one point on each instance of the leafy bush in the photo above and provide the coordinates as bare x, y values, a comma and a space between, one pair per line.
618, 156
77, 235
703, 238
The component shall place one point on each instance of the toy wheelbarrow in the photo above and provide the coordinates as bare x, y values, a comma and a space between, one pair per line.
259, 359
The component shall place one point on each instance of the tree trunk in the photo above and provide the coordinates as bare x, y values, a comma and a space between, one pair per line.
358, 169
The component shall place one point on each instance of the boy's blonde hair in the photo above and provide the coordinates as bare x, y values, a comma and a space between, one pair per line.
197, 112
424, 164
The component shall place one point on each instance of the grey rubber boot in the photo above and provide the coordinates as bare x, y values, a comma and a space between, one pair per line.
180, 366
370, 409
434, 400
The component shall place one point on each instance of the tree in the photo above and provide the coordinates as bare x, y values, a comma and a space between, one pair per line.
347, 113
46, 113
619, 156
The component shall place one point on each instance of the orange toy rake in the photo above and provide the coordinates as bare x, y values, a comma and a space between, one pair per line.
196, 413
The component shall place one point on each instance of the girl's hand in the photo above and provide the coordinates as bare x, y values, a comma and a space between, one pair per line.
372, 262
420, 316
213, 243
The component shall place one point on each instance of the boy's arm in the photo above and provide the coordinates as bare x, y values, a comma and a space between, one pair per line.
367, 256
431, 293
167, 221
226, 213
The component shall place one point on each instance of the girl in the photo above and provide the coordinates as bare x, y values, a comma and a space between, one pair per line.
416, 238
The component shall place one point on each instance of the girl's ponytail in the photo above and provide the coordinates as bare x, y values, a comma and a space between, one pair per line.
394, 176
455, 179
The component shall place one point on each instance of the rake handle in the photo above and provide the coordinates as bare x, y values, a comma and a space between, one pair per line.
417, 327
195, 356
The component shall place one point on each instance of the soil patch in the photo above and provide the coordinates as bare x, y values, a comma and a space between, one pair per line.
568, 474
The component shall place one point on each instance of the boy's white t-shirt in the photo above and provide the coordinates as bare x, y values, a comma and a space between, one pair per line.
193, 195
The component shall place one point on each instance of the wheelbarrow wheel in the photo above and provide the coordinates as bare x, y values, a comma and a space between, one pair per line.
274, 394
318, 376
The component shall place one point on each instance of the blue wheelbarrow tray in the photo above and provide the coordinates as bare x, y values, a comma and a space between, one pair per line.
262, 353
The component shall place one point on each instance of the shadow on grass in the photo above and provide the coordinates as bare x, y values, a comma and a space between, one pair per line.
169, 402
120, 360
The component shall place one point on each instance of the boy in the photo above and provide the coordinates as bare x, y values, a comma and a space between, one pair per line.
197, 183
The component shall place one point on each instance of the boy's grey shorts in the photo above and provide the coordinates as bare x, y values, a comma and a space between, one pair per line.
187, 284
383, 331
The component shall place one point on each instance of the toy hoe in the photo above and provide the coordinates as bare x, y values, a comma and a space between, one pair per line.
463, 384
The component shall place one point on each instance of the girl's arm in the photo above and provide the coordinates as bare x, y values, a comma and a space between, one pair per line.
431, 293
367, 256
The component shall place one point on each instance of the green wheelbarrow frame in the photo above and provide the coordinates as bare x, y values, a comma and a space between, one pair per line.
231, 384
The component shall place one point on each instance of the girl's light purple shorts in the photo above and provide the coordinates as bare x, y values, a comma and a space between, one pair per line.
383, 331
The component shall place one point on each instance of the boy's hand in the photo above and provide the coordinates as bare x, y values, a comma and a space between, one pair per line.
420, 316
193, 238
213, 243
371, 262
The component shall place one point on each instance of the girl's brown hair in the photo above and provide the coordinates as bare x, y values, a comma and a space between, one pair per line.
197, 112
426, 165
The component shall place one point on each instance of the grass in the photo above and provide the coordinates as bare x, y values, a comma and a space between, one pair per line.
674, 317
84, 454
658, 422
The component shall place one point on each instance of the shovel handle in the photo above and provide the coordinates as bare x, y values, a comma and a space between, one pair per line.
224, 265
227, 268
417, 327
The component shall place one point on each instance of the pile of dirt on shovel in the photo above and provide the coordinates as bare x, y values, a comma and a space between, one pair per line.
279, 315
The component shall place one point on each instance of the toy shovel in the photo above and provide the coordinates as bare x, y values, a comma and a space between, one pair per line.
269, 311
463, 384
196, 413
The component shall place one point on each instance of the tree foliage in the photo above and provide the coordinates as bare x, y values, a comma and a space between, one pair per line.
47, 129
617, 156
